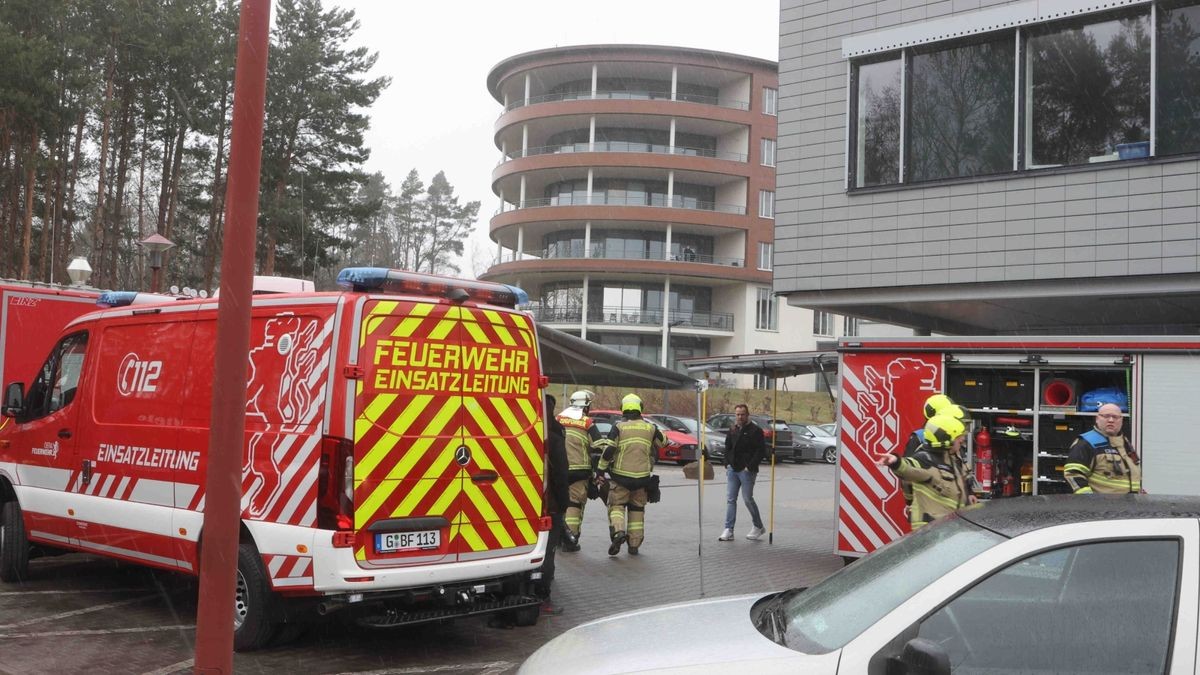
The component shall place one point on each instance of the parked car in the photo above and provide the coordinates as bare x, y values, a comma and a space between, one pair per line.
721, 422
810, 441
1017, 586
680, 447
713, 440
829, 428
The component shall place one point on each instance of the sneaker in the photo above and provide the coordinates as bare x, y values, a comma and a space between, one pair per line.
633, 550
550, 609
618, 539
726, 535
756, 533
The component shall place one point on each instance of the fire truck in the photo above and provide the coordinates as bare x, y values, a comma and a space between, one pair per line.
393, 461
1029, 398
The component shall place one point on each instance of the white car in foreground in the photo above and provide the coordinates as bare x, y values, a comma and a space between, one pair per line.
1067, 584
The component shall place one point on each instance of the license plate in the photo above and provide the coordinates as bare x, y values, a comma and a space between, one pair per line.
392, 542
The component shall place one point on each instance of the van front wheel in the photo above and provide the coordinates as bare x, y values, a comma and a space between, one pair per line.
14, 545
255, 619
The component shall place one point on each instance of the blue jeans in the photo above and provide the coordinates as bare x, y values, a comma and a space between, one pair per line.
745, 480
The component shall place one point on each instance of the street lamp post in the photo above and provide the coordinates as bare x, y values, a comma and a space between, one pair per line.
155, 246
79, 270
667, 361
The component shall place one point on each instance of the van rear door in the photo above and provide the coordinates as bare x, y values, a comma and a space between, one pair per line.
447, 441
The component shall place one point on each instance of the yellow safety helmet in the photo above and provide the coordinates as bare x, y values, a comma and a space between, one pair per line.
631, 402
942, 430
957, 412
936, 404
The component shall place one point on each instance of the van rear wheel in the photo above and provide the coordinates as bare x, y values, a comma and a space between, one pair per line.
14, 545
255, 619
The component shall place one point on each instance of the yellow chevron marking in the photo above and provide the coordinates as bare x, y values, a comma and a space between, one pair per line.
374, 319
501, 328
503, 449
490, 517
435, 432
442, 329
372, 458
467, 532
414, 319
502, 488
360, 554
518, 431
476, 332
417, 486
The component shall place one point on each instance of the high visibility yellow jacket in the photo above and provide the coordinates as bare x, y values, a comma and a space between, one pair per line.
939, 484
583, 446
636, 445
1102, 464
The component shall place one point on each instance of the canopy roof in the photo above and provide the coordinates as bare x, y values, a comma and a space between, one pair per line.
566, 358
777, 364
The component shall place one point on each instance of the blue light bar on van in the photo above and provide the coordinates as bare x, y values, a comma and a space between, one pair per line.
383, 279
110, 299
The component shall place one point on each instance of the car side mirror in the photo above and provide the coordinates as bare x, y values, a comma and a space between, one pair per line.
923, 657
14, 400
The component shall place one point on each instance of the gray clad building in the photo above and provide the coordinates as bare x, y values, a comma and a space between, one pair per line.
976, 166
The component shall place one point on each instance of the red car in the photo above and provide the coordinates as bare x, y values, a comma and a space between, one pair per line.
680, 447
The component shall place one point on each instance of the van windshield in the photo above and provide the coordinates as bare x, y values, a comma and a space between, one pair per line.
835, 611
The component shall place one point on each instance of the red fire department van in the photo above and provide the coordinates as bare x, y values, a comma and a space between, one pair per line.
1029, 397
393, 457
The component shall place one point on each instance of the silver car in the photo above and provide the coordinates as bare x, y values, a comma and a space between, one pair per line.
1038, 584
811, 442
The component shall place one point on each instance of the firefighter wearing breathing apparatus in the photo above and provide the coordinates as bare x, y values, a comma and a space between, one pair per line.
628, 461
940, 482
584, 445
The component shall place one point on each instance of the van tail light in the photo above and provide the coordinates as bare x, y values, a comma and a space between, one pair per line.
335, 480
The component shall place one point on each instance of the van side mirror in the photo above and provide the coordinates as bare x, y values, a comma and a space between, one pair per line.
14, 400
922, 657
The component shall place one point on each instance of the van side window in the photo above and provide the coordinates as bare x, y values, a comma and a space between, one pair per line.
58, 379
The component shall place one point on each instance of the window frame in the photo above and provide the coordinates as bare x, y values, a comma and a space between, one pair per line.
766, 204
770, 101
766, 256
768, 148
823, 323
1020, 34
766, 294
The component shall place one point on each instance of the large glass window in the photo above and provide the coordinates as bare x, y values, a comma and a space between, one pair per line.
1178, 88
961, 111
58, 379
768, 152
877, 147
770, 101
766, 251
766, 204
766, 314
822, 323
1088, 93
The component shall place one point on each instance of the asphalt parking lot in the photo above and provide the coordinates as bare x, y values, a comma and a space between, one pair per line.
84, 614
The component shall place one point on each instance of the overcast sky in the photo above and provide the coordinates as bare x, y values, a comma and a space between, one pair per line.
438, 115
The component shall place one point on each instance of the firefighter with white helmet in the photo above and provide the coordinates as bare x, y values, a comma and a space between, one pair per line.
940, 482
629, 461
584, 445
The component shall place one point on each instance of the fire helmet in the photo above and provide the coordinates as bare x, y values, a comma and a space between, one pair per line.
631, 402
942, 430
936, 404
582, 398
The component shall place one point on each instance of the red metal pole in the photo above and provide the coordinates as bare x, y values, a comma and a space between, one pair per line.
223, 484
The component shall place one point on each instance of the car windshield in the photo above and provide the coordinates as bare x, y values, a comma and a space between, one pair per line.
819, 431
835, 611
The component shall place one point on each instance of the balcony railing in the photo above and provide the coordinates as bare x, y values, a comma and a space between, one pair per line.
599, 252
623, 146
677, 202
628, 95
633, 316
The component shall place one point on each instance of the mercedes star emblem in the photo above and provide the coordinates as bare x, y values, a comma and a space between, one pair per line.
462, 455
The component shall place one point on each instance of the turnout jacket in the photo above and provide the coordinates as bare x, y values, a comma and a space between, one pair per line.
939, 483
629, 459
1103, 464
584, 445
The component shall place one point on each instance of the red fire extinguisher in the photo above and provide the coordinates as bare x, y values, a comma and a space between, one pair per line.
984, 472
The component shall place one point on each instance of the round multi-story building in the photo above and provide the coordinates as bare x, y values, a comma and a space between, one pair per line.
637, 191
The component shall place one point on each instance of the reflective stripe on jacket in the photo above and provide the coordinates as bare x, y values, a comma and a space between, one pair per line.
581, 438
637, 443
939, 484
1095, 463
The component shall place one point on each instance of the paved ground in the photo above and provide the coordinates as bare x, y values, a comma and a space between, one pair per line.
84, 614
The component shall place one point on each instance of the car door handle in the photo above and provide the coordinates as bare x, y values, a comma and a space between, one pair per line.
485, 477
64, 433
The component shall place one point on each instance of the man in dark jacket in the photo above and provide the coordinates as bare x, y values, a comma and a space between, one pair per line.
556, 499
745, 447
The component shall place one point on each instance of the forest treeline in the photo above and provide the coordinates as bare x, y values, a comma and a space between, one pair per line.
115, 120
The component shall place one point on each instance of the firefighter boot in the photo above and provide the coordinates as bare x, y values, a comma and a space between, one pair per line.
633, 550
618, 539
570, 542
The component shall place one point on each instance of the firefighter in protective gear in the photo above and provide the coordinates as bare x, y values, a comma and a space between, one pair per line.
933, 405
628, 461
939, 480
1103, 460
584, 445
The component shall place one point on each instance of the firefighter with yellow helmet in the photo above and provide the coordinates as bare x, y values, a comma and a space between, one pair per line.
937, 403
629, 460
584, 445
940, 481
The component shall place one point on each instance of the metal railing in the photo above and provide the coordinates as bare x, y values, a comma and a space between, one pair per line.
655, 200
628, 95
623, 146
633, 316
